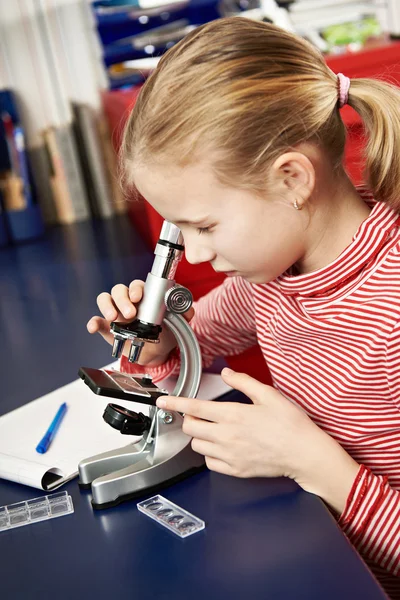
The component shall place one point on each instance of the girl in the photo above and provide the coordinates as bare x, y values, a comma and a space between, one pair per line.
237, 138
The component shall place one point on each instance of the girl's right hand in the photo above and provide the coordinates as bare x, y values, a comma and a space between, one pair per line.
121, 306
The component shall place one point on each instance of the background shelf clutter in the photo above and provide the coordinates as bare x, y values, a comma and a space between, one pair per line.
70, 71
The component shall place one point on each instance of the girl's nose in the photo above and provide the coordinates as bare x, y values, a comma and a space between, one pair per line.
196, 252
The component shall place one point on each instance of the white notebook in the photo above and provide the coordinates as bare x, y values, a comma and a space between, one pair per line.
82, 433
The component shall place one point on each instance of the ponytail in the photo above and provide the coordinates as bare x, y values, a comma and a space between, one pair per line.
378, 104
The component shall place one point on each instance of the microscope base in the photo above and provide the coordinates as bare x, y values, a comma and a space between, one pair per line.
160, 459
149, 490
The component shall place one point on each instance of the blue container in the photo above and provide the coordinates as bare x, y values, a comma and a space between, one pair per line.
25, 224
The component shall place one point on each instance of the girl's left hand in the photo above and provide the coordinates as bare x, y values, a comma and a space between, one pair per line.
270, 438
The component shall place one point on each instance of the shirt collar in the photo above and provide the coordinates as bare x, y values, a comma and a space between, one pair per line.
370, 237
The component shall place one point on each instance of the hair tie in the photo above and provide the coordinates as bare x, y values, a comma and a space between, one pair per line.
344, 85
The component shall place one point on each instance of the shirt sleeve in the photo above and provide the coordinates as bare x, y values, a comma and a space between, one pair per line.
224, 324
371, 518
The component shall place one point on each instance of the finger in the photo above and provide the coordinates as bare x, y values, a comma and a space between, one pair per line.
110, 310
135, 290
255, 390
206, 448
203, 409
99, 325
120, 296
220, 466
197, 428
107, 306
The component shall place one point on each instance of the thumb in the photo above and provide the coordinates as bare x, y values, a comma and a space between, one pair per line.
244, 383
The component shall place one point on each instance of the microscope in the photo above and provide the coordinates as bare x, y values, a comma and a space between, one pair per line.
163, 455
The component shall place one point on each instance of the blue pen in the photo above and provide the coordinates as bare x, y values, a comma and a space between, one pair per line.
46, 440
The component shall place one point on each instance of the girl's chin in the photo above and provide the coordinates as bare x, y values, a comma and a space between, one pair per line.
255, 278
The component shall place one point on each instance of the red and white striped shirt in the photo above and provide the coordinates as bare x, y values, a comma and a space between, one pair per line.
331, 339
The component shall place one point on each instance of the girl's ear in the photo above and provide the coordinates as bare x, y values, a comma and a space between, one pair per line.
294, 174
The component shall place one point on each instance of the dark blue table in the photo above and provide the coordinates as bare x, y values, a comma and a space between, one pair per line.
264, 539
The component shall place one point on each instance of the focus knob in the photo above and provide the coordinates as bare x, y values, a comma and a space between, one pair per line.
178, 299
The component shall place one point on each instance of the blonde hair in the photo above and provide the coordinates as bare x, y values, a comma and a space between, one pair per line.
249, 91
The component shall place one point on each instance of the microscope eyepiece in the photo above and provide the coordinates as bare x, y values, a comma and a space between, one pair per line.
171, 233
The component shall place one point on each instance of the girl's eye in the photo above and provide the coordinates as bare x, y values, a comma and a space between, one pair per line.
201, 230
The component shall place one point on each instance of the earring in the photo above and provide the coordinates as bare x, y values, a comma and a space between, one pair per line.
296, 206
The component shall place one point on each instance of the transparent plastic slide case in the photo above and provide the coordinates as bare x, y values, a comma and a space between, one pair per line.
35, 510
173, 517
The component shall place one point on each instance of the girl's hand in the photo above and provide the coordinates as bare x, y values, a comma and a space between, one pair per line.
270, 438
121, 306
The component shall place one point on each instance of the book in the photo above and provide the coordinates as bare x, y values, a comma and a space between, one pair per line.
66, 177
111, 165
35, 72
98, 184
